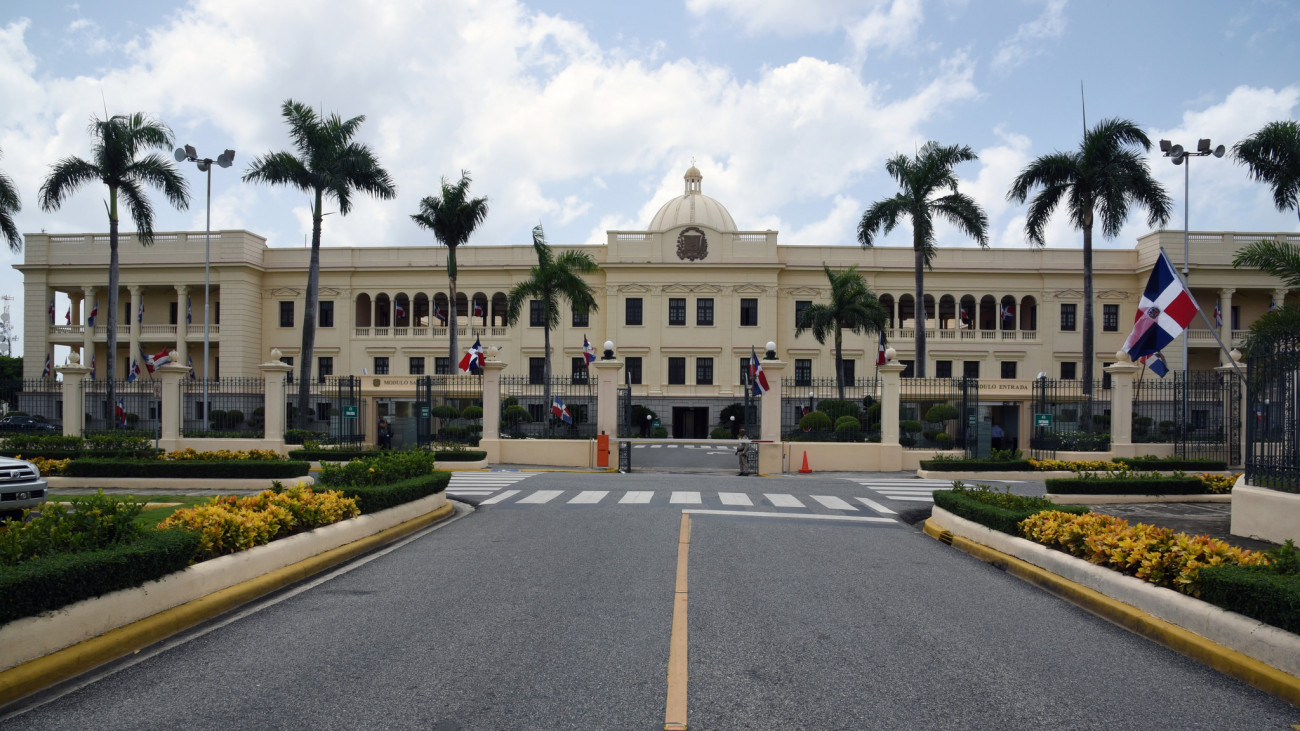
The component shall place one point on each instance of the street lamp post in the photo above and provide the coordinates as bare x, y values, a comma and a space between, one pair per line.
225, 160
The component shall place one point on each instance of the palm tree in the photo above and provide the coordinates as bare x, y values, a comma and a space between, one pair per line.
554, 278
853, 307
116, 162
1105, 176
452, 217
1273, 156
328, 163
921, 178
1282, 260
9, 205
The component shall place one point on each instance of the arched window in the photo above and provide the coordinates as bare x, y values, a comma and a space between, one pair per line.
499, 304
887, 301
420, 310
968, 315
440, 316
947, 312
479, 309
1007, 313
363, 310
906, 311
928, 313
1028, 313
988, 317
462, 306
383, 311
401, 310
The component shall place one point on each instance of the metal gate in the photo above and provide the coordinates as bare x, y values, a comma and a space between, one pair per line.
1208, 413
1069, 417
625, 411
345, 414
423, 410
970, 422
1273, 415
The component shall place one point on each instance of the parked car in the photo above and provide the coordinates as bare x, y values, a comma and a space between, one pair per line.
21, 487
26, 424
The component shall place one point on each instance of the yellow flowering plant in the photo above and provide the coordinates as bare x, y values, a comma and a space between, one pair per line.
231, 523
226, 455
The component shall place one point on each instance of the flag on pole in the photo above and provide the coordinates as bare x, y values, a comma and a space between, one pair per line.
1157, 365
51, 311
1165, 311
588, 350
189, 311
148, 361
965, 317
120, 413
478, 308
1218, 315
398, 310
880, 350
191, 364
1007, 312
139, 316
94, 311
473, 358
560, 411
133, 372
757, 379
46, 373
438, 313
67, 319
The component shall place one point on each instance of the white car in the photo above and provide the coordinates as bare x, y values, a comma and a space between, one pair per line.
21, 487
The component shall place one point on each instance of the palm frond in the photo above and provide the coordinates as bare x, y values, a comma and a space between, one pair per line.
10, 204
1279, 258
1272, 155
882, 217
280, 168
65, 177
141, 210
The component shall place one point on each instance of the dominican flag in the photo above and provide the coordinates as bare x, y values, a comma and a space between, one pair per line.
120, 413
560, 411
398, 310
1272, 305
161, 359
139, 316
965, 318
67, 319
1259, 412
438, 313
148, 361
93, 312
478, 308
1157, 364
51, 312
1165, 311
191, 364
473, 358
46, 373
588, 350
189, 311
1218, 315
757, 379
1007, 312
134, 371
880, 350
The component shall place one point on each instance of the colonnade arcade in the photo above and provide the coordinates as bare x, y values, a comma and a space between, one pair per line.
967, 312
402, 310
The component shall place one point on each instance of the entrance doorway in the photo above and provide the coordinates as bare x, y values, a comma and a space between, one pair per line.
1006, 417
401, 416
690, 422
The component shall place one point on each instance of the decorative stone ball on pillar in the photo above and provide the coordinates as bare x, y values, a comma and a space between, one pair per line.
890, 354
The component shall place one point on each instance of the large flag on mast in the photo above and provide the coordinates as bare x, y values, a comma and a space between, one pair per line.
1165, 311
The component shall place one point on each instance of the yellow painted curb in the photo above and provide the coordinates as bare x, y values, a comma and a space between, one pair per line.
43, 672
1224, 659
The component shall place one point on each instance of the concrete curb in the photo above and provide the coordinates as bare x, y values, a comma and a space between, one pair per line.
1076, 499
1262, 655
168, 484
159, 623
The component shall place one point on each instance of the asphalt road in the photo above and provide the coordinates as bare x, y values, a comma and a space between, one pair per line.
557, 612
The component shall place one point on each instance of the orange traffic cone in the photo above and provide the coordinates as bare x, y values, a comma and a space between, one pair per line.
805, 470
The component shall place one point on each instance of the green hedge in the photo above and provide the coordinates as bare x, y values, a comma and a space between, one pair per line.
45, 584
373, 498
468, 455
1168, 465
1255, 591
1004, 519
1126, 486
82, 454
347, 455
188, 469
976, 465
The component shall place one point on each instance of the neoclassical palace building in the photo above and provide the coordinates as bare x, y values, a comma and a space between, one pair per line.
684, 301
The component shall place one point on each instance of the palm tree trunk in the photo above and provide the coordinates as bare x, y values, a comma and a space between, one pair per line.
839, 360
917, 307
110, 389
451, 304
1088, 346
546, 374
309, 317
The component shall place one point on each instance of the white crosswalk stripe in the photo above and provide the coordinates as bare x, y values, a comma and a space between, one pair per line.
685, 497
480, 484
637, 497
905, 489
780, 500
734, 498
832, 502
541, 496
589, 497
876, 506
498, 498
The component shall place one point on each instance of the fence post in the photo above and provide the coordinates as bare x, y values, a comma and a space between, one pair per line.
890, 385
770, 447
273, 373
1121, 405
74, 406
490, 441
607, 396
172, 405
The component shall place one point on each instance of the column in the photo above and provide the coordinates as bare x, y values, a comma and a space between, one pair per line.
1279, 297
273, 372
607, 396
172, 404
770, 447
88, 334
74, 406
1225, 330
1229, 373
891, 452
182, 346
75, 301
134, 351
490, 442
1122, 374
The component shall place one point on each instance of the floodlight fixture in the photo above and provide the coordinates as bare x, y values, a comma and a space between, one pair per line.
1164, 145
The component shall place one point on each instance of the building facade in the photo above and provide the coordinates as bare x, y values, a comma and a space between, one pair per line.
684, 302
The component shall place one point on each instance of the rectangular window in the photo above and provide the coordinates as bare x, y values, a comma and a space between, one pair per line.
704, 371
416, 365
216, 313
1236, 317
1067, 317
1068, 372
970, 369
850, 371
749, 313
1105, 377
632, 311
581, 318
578, 369
322, 411
799, 307
381, 365
324, 367
536, 370
1008, 369
802, 371
287, 361
704, 312
676, 371
172, 308
1110, 318
538, 412
677, 311
744, 371
536, 314
286, 314
633, 366
442, 366
909, 369
326, 317
216, 368
943, 369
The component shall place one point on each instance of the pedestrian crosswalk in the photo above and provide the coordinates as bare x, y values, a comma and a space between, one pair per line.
688, 499
684, 446
482, 484
905, 489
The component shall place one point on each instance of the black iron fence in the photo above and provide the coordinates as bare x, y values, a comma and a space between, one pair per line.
39, 398
939, 413
236, 408
526, 412
811, 410
1198, 412
448, 409
138, 407
688, 417
1273, 415
1069, 416
335, 412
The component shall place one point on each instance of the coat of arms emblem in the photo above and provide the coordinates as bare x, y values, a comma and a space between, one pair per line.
692, 245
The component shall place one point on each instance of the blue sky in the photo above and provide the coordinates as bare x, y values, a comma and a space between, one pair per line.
584, 115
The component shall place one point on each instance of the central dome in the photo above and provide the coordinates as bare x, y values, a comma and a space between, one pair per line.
693, 208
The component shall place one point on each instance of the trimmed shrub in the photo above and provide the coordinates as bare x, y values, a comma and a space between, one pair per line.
380, 468
54, 581
296, 436
848, 424
373, 498
941, 412
720, 433
815, 421
836, 409
61, 447
1255, 591
1132, 485
515, 414
459, 455
911, 426
473, 411
445, 411
975, 465
1000, 511
1171, 463
661, 432
186, 470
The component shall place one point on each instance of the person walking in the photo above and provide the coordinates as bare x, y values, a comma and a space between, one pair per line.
998, 436
385, 435
742, 451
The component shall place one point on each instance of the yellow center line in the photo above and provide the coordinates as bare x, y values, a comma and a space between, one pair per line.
675, 715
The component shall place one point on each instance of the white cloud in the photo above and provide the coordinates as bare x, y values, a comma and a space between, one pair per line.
1029, 39
839, 227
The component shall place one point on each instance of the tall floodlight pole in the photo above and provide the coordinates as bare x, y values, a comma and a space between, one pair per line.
225, 160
